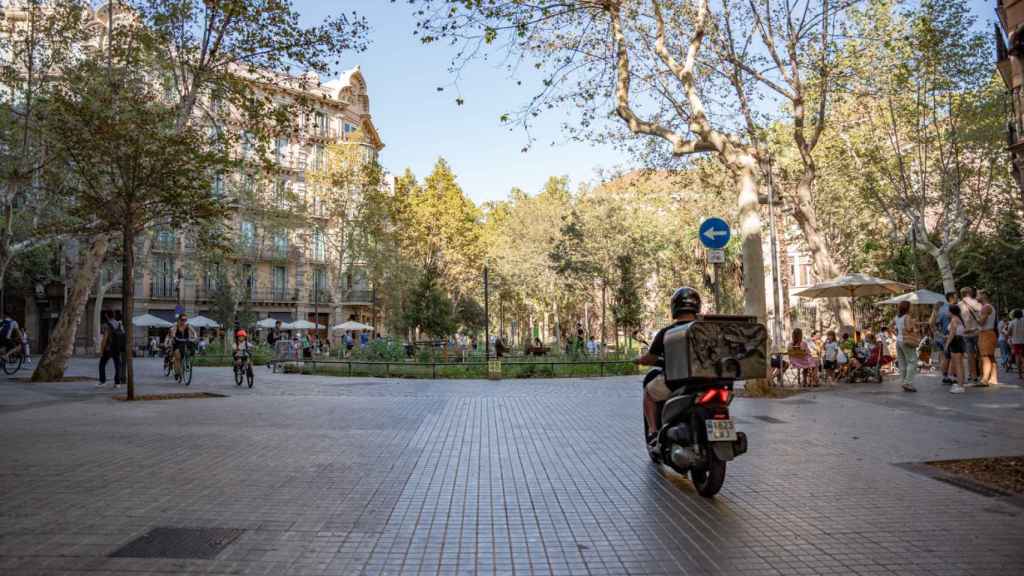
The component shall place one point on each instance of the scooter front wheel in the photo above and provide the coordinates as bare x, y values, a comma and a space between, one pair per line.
708, 482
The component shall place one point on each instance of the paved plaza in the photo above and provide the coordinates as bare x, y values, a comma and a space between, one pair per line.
316, 475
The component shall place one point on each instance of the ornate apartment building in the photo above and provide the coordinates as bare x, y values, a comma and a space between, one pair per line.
1010, 62
288, 272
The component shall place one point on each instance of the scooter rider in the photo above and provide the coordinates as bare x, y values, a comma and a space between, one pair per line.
685, 306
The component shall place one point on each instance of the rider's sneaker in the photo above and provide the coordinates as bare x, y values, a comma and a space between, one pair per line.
101, 384
956, 389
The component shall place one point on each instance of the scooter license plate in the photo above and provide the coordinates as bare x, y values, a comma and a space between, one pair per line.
721, 430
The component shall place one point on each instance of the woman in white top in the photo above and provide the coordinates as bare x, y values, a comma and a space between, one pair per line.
1017, 341
906, 346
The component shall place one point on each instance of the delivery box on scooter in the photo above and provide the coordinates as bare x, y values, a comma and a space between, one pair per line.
717, 348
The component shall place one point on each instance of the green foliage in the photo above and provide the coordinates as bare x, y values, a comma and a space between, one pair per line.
470, 315
381, 349
430, 308
627, 308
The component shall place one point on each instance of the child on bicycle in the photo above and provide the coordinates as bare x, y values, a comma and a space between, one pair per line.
242, 347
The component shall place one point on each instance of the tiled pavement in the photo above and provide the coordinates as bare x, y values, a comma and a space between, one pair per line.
358, 476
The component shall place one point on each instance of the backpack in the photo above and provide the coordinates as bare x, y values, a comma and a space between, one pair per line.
118, 335
5, 329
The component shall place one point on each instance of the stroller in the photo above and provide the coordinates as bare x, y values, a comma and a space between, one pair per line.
870, 369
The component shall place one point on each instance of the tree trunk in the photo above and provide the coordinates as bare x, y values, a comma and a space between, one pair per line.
750, 230
101, 293
807, 219
946, 269
62, 342
128, 306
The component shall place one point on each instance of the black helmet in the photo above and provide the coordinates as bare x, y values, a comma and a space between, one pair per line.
685, 299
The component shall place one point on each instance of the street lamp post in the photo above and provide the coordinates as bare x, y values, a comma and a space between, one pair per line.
487, 316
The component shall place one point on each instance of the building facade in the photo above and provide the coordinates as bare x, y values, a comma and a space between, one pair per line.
299, 270
1010, 63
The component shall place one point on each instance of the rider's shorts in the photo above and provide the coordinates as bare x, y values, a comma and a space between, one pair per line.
657, 389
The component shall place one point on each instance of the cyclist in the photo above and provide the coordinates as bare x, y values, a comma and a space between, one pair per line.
242, 350
184, 336
10, 336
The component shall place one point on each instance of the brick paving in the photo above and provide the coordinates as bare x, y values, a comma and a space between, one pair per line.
362, 476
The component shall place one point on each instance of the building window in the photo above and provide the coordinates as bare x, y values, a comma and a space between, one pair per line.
281, 245
212, 279
279, 189
349, 128
249, 274
248, 233
319, 285
319, 245
163, 279
320, 123
280, 150
280, 282
218, 185
165, 240
248, 145
318, 157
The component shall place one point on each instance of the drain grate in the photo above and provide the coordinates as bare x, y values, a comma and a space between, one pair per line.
770, 419
165, 542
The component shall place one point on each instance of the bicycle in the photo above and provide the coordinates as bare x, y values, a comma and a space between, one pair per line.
244, 371
12, 364
186, 365
168, 363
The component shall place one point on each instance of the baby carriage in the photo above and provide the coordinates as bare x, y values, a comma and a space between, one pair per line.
869, 366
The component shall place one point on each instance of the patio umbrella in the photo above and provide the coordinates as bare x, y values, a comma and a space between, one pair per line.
922, 297
268, 323
150, 321
202, 322
351, 326
852, 286
302, 325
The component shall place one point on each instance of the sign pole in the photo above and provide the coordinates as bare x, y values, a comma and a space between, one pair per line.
718, 288
714, 234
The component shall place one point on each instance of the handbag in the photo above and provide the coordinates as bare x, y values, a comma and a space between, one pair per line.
841, 358
911, 334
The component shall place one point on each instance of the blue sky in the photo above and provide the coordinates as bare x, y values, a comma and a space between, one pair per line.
419, 124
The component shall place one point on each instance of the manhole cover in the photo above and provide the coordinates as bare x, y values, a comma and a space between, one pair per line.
163, 542
770, 419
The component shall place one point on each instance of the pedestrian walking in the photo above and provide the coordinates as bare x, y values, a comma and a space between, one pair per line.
943, 333
908, 338
970, 311
955, 348
1005, 349
26, 351
1017, 341
111, 346
987, 339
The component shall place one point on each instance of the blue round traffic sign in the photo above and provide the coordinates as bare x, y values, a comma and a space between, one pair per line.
714, 233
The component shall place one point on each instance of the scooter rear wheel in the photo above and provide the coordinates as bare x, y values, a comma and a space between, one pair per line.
653, 454
709, 482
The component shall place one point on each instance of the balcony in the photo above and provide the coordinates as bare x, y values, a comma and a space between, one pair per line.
357, 297
165, 245
321, 296
162, 291
1014, 124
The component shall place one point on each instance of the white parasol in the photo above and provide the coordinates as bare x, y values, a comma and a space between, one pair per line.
302, 325
352, 326
202, 322
922, 297
150, 321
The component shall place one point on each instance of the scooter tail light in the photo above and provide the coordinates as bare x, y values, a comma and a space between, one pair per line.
725, 395
708, 396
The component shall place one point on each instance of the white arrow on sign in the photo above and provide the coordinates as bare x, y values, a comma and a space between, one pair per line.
711, 233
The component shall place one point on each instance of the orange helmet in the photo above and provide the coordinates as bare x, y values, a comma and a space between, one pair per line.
241, 334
